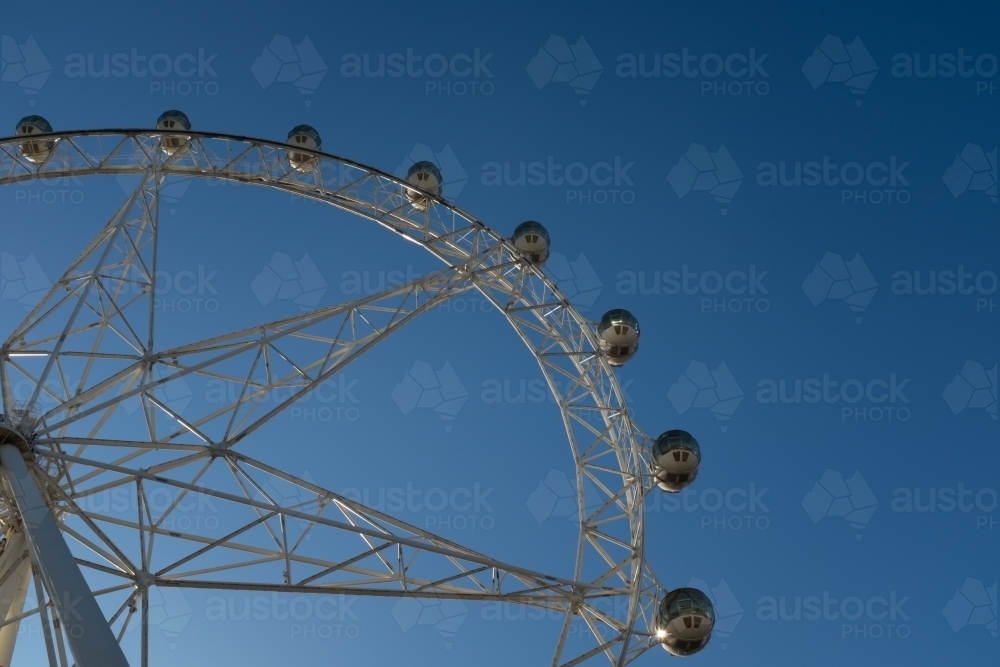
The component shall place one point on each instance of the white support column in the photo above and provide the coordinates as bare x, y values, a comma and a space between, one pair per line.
15, 571
89, 636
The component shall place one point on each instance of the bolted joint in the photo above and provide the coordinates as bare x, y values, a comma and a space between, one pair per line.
143, 579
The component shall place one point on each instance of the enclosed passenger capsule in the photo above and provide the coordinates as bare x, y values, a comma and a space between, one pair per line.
36, 151
675, 458
426, 176
532, 239
618, 331
306, 137
173, 120
684, 621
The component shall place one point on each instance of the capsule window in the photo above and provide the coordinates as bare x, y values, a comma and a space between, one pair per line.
677, 456
687, 621
684, 456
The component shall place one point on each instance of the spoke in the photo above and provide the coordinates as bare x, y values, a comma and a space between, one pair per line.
302, 352
84, 326
428, 565
19, 617
145, 629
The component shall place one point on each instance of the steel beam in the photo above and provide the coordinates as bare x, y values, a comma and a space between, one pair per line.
86, 630
15, 575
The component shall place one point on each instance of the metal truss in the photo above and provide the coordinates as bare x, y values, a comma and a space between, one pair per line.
88, 348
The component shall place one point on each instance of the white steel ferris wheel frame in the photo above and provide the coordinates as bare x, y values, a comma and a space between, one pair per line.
88, 320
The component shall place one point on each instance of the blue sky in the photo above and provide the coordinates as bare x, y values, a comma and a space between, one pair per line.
748, 287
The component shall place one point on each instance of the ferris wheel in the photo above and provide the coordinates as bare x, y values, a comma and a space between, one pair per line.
88, 349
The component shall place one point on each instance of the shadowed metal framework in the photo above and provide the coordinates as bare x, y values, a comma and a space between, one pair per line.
88, 351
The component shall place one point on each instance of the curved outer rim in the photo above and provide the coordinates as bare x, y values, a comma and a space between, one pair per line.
14, 168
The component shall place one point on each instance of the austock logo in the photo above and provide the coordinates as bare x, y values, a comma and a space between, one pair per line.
458, 75
423, 387
601, 182
715, 173
973, 387
171, 189
737, 509
576, 279
875, 617
291, 495
852, 281
452, 172
370, 282
714, 390
947, 66
169, 611
874, 400
860, 182
834, 62
23, 64
23, 281
50, 191
734, 291
536, 391
973, 604
836, 280
559, 62
745, 74
948, 282
446, 616
977, 504
175, 394
181, 74
728, 610
833, 496
555, 497
461, 508
307, 616
283, 62
974, 170
281, 278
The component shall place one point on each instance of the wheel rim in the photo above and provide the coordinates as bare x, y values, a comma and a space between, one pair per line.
609, 456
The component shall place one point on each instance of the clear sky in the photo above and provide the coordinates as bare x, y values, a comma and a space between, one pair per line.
799, 205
